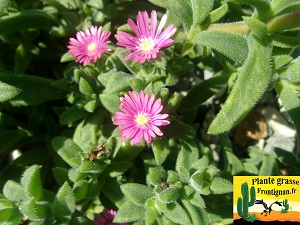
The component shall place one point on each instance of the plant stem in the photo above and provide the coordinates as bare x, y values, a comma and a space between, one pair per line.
277, 24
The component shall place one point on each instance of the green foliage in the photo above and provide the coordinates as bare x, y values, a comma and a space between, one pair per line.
232, 45
252, 81
24, 20
62, 159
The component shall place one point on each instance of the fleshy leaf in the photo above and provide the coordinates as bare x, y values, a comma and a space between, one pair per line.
68, 150
268, 166
262, 6
181, 8
179, 130
31, 182
280, 7
156, 175
204, 90
116, 169
67, 57
188, 155
169, 195
36, 211
160, 149
129, 212
177, 214
34, 90
198, 215
201, 9
251, 83
292, 72
8, 92
217, 14
26, 20
290, 100
110, 101
14, 192
64, 202
232, 45
256, 26
137, 193
220, 186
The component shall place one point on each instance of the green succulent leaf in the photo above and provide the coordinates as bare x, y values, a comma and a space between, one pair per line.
281, 61
31, 181
84, 87
110, 101
14, 192
8, 92
179, 130
36, 211
160, 149
184, 174
116, 169
290, 99
197, 200
263, 7
217, 14
169, 195
68, 150
32, 90
3, 7
283, 41
204, 90
67, 57
64, 203
181, 8
201, 9
24, 20
268, 166
80, 189
137, 193
231, 45
151, 213
198, 215
177, 214
157, 175
118, 82
251, 83
129, 212
280, 7
292, 71
188, 154
256, 26
220, 186
197, 181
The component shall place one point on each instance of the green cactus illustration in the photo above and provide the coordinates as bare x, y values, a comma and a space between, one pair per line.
286, 206
243, 203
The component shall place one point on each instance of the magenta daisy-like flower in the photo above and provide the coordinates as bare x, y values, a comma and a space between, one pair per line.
89, 45
107, 218
140, 117
149, 39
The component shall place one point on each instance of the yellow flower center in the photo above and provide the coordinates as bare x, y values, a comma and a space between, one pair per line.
147, 45
92, 49
142, 120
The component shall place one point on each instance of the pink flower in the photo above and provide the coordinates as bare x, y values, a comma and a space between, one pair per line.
140, 117
107, 218
148, 42
89, 45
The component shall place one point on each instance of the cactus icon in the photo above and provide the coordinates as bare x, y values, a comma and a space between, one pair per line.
243, 203
286, 206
